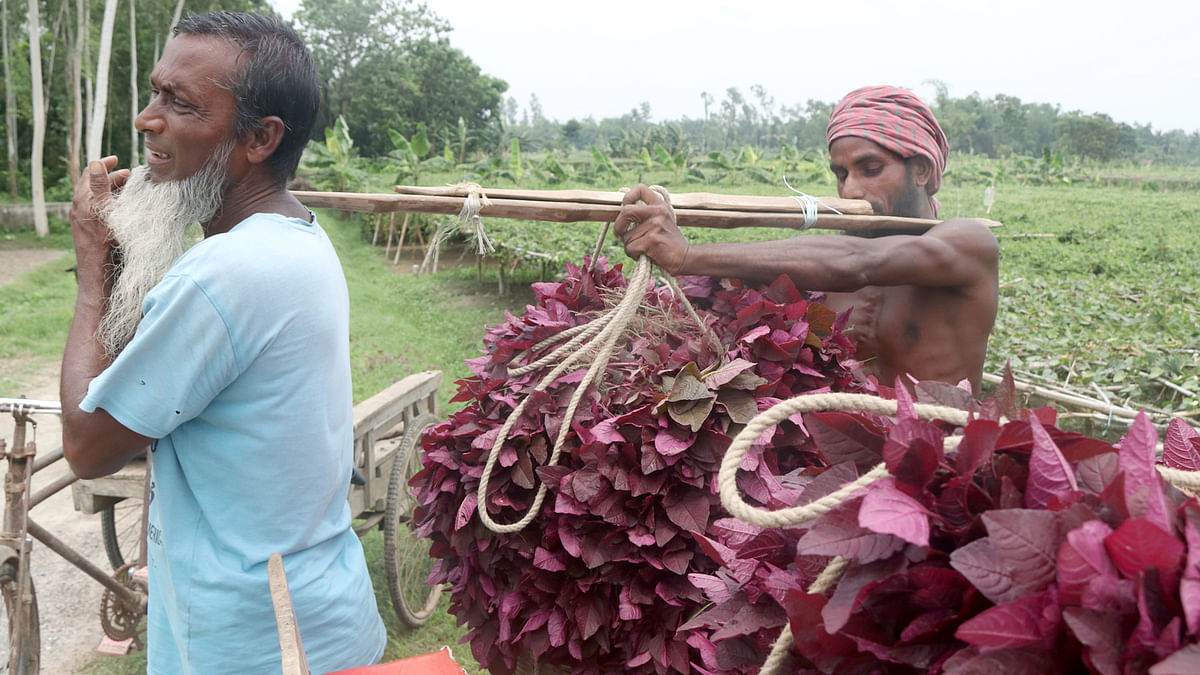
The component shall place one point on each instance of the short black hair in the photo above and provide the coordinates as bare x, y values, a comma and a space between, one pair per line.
279, 78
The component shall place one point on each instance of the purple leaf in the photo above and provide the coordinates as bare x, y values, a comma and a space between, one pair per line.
1082, 558
1143, 486
886, 510
1189, 585
1014, 624
1181, 446
715, 589
905, 409
466, 510
999, 662
687, 508
846, 437
837, 533
982, 566
1096, 473
978, 444
1100, 634
545, 560
1050, 476
1138, 544
1027, 541
1186, 661
855, 584
723, 375
590, 615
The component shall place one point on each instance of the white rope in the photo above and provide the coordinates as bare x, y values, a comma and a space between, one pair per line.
469, 220
727, 478
810, 204
781, 649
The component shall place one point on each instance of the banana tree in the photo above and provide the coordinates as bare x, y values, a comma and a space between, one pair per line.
410, 152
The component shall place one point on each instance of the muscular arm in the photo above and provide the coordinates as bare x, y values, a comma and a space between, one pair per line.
94, 444
953, 253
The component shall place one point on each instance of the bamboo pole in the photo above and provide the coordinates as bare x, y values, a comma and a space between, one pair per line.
572, 212
403, 234
682, 200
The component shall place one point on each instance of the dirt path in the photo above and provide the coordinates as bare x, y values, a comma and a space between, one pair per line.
68, 600
14, 263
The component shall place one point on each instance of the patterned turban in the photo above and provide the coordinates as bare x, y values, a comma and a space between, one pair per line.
897, 120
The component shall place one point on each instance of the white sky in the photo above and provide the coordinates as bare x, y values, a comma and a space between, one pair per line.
1138, 62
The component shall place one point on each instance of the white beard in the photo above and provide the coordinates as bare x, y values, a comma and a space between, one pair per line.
148, 222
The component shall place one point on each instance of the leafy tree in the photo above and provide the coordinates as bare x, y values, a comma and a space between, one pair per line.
385, 64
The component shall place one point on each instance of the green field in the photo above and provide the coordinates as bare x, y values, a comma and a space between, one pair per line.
1098, 288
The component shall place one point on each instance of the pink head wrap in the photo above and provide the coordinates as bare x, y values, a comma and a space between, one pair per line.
896, 120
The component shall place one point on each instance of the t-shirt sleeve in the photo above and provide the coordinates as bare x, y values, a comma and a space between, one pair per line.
179, 359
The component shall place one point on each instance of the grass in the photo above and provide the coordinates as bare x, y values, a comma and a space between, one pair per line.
1103, 298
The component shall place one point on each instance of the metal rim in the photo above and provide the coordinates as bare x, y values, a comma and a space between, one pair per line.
407, 557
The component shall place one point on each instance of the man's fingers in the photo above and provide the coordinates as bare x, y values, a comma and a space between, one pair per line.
642, 193
631, 215
634, 195
119, 178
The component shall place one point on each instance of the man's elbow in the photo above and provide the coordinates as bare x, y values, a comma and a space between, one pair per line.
92, 453
81, 456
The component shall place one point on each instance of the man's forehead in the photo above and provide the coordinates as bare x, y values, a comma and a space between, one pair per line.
196, 61
853, 150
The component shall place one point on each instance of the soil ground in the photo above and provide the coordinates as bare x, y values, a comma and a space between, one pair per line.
68, 600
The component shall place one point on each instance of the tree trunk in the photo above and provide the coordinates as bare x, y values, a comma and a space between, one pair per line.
40, 223
171, 28
96, 127
10, 113
76, 141
134, 155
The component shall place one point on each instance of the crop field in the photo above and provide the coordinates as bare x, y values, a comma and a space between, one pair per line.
1098, 300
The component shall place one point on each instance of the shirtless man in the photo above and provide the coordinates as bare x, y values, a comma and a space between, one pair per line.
922, 303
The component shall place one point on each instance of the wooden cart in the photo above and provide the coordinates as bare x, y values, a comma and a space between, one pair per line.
387, 452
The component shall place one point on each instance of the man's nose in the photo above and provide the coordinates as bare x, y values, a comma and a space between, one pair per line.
852, 188
146, 121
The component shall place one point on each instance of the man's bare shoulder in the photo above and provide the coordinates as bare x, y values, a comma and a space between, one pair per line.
974, 234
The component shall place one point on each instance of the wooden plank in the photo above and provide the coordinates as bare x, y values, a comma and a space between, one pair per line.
96, 494
682, 200
389, 404
291, 647
568, 212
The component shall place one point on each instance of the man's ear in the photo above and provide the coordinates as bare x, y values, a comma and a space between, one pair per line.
922, 170
264, 139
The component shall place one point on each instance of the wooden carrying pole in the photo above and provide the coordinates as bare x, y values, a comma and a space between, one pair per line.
696, 209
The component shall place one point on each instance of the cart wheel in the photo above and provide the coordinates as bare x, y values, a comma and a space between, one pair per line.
120, 527
33, 641
407, 557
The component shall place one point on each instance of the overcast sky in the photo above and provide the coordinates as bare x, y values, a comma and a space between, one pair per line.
1138, 62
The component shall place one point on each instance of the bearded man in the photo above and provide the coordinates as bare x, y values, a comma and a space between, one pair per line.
231, 359
921, 303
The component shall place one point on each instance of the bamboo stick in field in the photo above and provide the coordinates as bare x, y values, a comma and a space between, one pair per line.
572, 212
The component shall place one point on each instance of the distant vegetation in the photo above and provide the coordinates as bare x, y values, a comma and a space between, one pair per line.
389, 66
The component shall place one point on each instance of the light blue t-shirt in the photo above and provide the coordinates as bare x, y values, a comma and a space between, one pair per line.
241, 368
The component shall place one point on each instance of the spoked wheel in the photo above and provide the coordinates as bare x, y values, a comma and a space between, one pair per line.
121, 527
407, 556
33, 642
